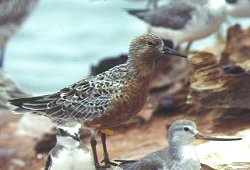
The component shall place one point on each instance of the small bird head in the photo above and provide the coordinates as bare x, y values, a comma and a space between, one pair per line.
68, 136
182, 131
185, 131
150, 47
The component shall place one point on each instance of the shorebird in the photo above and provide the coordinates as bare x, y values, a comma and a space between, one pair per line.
12, 15
180, 154
184, 21
107, 99
69, 153
238, 8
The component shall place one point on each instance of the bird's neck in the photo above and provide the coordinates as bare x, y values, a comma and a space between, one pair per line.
182, 152
67, 142
140, 68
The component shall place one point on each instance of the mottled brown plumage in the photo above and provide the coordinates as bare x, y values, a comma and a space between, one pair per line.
108, 99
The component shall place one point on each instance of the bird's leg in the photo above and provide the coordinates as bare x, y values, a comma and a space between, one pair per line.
2, 50
188, 46
106, 159
48, 163
93, 146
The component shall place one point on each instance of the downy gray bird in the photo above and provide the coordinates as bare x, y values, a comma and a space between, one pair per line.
179, 155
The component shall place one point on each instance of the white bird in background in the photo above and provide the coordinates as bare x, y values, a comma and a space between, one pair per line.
238, 8
184, 21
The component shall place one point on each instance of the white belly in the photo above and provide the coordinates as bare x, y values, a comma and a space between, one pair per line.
74, 159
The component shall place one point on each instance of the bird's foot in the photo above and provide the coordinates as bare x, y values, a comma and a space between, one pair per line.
125, 161
102, 167
107, 162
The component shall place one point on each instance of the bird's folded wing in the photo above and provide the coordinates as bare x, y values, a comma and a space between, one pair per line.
173, 16
84, 100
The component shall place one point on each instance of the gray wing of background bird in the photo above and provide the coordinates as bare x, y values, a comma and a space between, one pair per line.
85, 100
174, 15
153, 161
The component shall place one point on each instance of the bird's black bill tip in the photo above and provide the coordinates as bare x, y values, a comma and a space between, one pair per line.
204, 137
170, 51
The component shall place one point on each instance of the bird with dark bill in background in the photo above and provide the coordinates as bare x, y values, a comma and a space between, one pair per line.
179, 155
107, 99
184, 20
12, 15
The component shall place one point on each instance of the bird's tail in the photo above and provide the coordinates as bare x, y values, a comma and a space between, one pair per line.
34, 104
140, 13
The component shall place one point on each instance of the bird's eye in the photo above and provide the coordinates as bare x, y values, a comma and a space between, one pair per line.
186, 129
150, 43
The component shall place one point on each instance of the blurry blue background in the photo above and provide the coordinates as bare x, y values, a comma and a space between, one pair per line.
61, 39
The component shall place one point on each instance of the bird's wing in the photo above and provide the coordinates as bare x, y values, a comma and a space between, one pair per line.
89, 99
153, 161
174, 15
143, 164
86, 100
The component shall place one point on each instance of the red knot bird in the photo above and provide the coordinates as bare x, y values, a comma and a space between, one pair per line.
238, 8
69, 153
180, 154
12, 14
184, 21
107, 99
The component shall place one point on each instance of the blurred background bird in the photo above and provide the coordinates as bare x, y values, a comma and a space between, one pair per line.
184, 21
12, 14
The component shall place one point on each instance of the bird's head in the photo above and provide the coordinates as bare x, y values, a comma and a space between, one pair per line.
182, 131
185, 131
149, 47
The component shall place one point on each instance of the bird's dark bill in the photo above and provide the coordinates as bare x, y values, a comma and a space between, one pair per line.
170, 51
204, 137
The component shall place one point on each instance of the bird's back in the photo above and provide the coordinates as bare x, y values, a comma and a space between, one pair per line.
162, 160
